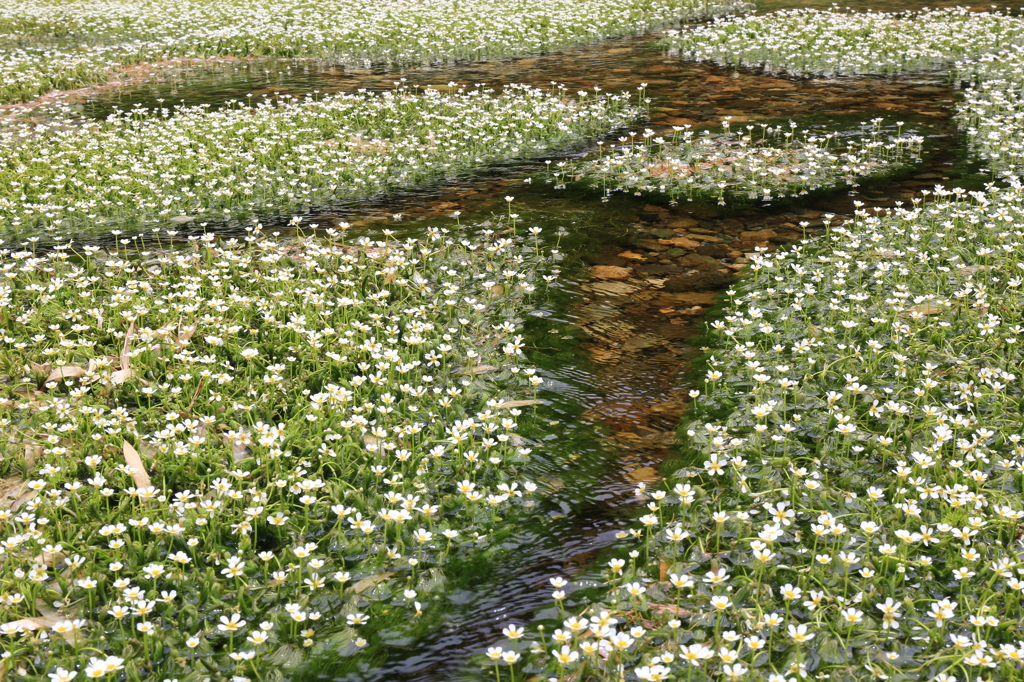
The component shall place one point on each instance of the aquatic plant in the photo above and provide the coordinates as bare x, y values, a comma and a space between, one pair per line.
849, 501
221, 459
991, 109
757, 163
852, 507
805, 42
144, 169
46, 46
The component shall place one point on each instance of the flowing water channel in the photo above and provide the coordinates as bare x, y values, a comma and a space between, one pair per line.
615, 352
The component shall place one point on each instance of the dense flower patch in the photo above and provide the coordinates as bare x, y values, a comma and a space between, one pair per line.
136, 170
814, 42
47, 45
220, 459
757, 163
991, 110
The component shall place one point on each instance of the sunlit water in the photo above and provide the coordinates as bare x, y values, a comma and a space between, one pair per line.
616, 358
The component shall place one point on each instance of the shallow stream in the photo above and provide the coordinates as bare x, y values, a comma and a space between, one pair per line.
615, 352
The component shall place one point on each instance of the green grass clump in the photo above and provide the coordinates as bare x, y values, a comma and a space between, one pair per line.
220, 460
61, 45
758, 163
134, 170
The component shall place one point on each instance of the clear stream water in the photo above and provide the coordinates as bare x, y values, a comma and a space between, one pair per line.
615, 354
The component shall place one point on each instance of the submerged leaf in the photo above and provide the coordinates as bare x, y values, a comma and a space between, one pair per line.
366, 583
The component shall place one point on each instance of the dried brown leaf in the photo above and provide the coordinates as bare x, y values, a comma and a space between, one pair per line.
148, 450
14, 493
122, 375
184, 335
924, 309
47, 619
31, 452
131, 457
125, 360
670, 608
517, 403
42, 370
239, 444
98, 363
66, 372
239, 450
38, 623
50, 559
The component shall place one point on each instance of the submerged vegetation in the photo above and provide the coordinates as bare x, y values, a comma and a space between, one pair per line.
134, 170
758, 163
48, 46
